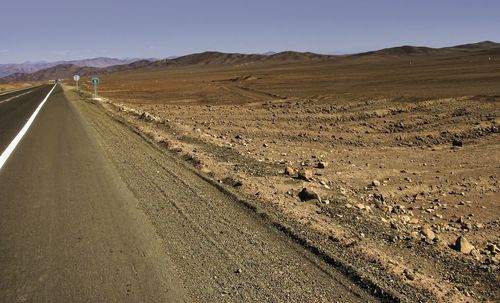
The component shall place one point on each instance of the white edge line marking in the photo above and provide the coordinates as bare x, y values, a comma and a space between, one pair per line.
16, 96
8, 151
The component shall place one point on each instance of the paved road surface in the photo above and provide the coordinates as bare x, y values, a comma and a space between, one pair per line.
69, 230
92, 213
15, 110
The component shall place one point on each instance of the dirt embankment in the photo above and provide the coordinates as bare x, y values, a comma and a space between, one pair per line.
398, 155
4, 87
407, 185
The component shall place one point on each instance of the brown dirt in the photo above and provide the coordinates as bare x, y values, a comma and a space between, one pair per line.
243, 125
4, 87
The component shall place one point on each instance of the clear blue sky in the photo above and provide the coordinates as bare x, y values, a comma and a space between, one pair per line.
66, 29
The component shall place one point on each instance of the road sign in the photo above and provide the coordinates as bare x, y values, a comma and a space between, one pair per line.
95, 81
76, 78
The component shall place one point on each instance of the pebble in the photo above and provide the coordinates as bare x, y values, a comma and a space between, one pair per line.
405, 218
409, 274
413, 221
457, 142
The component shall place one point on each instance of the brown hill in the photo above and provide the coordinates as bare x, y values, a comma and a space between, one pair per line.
31, 67
485, 48
408, 50
58, 71
474, 46
218, 58
68, 70
297, 56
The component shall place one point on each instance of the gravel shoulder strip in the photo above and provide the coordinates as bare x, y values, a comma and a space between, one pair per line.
221, 250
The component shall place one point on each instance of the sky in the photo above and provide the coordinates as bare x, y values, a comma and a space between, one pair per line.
51, 30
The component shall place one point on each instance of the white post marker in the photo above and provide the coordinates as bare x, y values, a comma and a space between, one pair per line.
76, 78
95, 81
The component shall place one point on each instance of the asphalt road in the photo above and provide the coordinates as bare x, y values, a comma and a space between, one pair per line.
15, 110
69, 229
90, 212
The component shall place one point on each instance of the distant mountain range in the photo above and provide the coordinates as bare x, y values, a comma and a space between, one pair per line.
31, 67
484, 46
100, 66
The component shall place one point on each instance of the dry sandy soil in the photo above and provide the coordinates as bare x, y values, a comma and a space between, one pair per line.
16, 85
399, 160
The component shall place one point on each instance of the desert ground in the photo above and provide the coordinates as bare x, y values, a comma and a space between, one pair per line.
4, 87
386, 161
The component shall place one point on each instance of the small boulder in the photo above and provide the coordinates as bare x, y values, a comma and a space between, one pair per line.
457, 142
305, 174
322, 164
405, 218
289, 171
409, 274
360, 206
413, 221
307, 194
428, 233
463, 245
376, 183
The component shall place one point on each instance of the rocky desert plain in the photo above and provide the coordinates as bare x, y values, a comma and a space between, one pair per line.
386, 163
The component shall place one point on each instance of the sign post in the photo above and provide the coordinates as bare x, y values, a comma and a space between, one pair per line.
95, 81
76, 78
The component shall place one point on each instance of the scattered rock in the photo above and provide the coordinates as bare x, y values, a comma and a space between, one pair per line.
322, 164
476, 254
307, 194
289, 171
405, 218
238, 271
463, 245
232, 182
457, 142
360, 206
409, 274
492, 248
376, 183
305, 174
413, 221
427, 232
